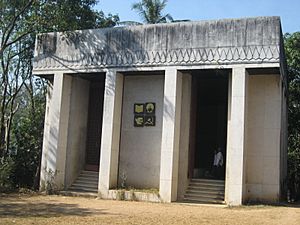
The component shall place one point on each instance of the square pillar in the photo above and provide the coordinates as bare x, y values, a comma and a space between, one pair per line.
111, 127
236, 135
45, 148
170, 135
183, 180
56, 131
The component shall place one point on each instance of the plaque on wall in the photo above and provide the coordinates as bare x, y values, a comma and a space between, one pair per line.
149, 121
144, 114
138, 120
150, 108
139, 108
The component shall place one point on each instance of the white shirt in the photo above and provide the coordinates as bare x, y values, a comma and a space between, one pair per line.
218, 160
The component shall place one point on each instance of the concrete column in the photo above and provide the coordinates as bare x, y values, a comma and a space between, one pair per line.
235, 162
183, 180
170, 135
112, 108
56, 131
44, 161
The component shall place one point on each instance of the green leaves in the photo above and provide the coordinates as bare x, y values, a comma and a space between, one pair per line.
292, 52
22, 100
67, 15
151, 11
26, 142
6, 171
292, 46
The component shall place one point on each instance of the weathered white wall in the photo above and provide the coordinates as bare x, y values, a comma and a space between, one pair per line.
47, 126
56, 131
283, 143
170, 145
111, 129
230, 41
263, 138
140, 146
235, 187
183, 180
77, 131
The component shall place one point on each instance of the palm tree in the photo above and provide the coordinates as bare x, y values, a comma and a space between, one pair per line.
151, 11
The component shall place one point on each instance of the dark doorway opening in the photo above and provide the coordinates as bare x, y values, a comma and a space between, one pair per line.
209, 105
94, 126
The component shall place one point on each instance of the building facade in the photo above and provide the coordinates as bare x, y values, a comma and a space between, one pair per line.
146, 107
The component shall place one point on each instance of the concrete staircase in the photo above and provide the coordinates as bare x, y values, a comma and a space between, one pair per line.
205, 191
87, 182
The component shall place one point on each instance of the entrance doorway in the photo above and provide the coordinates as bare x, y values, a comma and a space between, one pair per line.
94, 126
209, 106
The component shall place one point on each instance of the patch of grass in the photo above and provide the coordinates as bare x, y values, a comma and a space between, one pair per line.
150, 190
144, 190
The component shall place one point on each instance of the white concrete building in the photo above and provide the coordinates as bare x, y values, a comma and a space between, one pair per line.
145, 107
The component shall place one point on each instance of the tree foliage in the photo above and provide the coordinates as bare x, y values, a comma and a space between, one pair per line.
151, 11
27, 137
66, 15
22, 101
15, 67
292, 50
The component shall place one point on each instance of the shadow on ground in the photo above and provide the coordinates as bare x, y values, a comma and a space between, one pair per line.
24, 207
292, 205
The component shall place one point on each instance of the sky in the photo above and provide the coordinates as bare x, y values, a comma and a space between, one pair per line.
288, 10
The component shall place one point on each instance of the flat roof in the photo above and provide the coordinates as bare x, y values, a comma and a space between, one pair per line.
215, 42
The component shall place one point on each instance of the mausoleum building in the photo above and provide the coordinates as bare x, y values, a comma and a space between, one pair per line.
149, 107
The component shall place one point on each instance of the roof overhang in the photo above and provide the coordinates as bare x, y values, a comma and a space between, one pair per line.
204, 43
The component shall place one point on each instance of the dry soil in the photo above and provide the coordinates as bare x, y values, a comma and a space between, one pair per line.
52, 210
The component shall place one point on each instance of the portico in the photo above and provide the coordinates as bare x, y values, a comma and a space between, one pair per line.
165, 65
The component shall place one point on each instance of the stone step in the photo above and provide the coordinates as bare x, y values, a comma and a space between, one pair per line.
203, 200
81, 184
206, 188
205, 192
206, 185
87, 181
204, 196
91, 174
83, 189
85, 184
79, 194
211, 181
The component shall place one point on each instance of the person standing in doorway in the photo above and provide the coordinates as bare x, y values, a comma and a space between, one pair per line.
218, 164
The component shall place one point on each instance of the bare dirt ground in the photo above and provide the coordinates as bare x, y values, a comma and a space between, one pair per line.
52, 210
